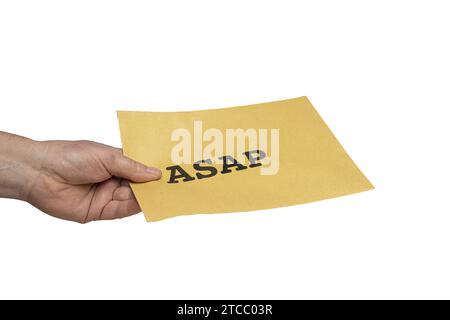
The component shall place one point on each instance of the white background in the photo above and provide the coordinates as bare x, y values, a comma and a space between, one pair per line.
379, 74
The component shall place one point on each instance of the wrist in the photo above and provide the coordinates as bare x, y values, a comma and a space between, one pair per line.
20, 160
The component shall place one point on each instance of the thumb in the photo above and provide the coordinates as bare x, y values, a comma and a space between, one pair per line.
121, 166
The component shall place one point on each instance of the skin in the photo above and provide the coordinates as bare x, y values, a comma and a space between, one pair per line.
79, 181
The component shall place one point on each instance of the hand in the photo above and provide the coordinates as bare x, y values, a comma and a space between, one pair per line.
80, 181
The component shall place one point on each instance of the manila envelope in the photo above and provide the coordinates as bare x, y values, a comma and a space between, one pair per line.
235, 159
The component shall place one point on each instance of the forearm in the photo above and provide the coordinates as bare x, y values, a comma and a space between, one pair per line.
19, 165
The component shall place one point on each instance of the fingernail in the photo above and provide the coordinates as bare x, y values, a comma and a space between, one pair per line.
153, 171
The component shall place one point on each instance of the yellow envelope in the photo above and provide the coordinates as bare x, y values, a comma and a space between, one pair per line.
237, 159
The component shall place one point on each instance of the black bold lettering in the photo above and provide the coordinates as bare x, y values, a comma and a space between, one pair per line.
212, 170
229, 162
253, 159
174, 176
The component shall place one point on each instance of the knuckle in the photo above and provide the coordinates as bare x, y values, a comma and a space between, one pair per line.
82, 219
112, 157
133, 164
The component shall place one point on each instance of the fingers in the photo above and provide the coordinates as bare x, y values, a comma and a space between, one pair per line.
112, 199
123, 193
121, 166
120, 209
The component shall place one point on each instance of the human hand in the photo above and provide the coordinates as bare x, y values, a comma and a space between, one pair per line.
79, 181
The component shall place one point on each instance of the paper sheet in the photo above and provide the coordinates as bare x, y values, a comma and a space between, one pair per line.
283, 155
